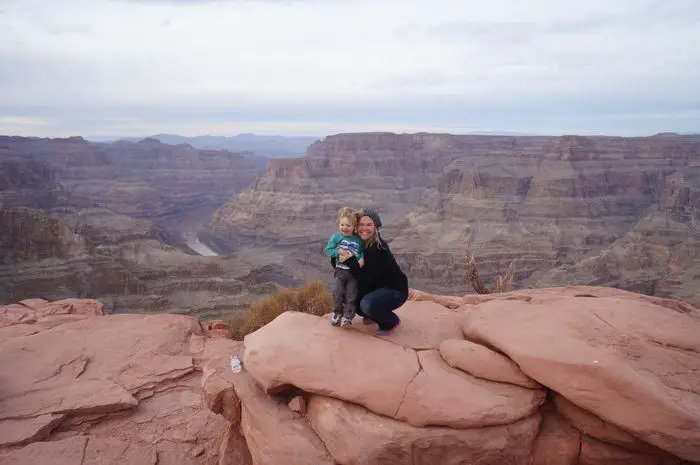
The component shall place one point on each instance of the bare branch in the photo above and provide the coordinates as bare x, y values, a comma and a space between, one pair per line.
473, 274
503, 283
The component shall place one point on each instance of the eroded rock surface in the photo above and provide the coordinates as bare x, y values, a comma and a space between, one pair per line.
627, 360
79, 387
501, 397
310, 393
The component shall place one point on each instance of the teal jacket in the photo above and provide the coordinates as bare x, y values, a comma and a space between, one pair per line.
352, 243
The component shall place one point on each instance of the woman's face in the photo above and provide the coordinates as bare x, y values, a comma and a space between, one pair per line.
365, 228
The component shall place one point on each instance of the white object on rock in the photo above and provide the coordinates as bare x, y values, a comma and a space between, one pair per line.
235, 364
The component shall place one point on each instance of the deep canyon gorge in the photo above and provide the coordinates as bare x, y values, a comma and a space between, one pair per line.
149, 227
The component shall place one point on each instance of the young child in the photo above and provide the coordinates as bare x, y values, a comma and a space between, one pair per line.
345, 290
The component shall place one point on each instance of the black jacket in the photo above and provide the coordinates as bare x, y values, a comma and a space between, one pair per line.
380, 270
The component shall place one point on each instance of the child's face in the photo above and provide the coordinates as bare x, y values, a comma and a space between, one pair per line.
345, 227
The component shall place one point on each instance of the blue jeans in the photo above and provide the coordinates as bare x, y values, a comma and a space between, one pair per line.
379, 305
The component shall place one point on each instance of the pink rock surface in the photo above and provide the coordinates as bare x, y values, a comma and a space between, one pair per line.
483, 362
447, 301
305, 351
427, 325
627, 360
356, 436
274, 433
21, 431
594, 452
558, 443
82, 450
592, 426
442, 395
84, 388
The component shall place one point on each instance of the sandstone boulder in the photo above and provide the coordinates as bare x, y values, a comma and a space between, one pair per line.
483, 362
356, 436
429, 324
275, 433
594, 427
627, 360
442, 395
305, 351
418, 387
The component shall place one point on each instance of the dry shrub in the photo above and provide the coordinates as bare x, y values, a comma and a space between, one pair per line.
236, 323
311, 298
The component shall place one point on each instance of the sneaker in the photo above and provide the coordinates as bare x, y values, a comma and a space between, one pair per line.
384, 332
335, 319
345, 322
367, 320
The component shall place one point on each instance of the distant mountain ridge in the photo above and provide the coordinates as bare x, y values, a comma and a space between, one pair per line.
267, 146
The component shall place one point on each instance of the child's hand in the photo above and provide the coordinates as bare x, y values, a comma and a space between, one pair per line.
344, 255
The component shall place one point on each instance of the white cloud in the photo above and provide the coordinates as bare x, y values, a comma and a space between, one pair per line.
341, 63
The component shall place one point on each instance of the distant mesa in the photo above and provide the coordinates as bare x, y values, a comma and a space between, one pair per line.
272, 146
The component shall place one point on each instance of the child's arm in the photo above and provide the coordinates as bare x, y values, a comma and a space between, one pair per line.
331, 249
361, 252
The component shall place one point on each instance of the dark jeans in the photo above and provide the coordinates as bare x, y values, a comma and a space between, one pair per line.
344, 293
379, 305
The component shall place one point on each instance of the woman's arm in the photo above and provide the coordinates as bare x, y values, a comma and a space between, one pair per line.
373, 273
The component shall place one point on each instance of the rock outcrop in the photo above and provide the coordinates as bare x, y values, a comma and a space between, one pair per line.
611, 211
559, 376
82, 387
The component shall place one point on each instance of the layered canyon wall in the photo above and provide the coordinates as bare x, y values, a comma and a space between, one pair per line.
109, 221
588, 210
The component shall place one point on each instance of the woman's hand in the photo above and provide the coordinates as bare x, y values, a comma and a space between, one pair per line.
344, 255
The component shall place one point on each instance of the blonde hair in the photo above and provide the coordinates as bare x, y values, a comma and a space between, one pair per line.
350, 214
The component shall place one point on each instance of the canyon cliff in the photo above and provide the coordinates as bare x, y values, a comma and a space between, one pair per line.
608, 211
112, 221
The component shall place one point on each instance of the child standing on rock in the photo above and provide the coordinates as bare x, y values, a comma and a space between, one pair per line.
345, 289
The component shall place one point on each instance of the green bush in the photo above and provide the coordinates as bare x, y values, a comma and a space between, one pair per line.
311, 298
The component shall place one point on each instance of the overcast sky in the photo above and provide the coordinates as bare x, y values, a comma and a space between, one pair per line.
317, 67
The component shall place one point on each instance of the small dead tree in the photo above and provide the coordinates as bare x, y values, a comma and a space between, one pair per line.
504, 283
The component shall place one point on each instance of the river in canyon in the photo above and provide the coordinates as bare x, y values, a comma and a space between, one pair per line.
194, 244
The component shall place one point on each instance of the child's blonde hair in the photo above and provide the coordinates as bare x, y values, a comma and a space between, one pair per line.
350, 214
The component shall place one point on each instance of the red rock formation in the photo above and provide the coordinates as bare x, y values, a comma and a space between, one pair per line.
620, 371
546, 338
81, 387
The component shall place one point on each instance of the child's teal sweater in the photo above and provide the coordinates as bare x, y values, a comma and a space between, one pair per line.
338, 242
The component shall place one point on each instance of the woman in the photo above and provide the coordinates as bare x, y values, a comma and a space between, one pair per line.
382, 286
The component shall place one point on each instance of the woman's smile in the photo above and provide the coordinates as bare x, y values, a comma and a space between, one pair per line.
365, 228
